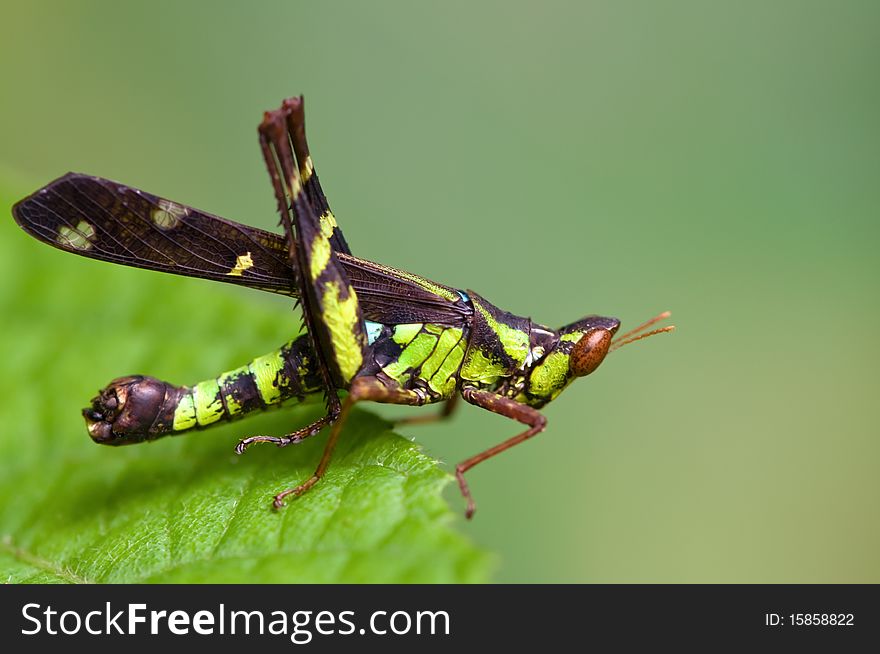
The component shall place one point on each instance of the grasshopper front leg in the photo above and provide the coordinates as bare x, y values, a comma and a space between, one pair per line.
506, 407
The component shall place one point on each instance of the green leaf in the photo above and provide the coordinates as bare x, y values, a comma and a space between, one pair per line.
187, 509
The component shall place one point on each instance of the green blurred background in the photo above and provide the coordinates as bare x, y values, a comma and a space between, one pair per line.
718, 159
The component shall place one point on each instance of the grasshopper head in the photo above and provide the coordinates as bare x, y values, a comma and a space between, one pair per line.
577, 350
593, 336
581, 347
591, 341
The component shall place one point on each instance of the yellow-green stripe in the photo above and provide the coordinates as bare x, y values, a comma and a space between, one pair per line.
443, 381
265, 370
185, 413
412, 356
445, 343
208, 405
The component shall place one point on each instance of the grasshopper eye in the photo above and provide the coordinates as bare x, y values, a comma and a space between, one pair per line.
589, 351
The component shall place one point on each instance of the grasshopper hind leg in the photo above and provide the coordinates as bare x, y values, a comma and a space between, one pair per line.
298, 436
362, 388
295, 109
331, 311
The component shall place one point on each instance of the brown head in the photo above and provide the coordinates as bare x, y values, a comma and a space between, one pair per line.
580, 348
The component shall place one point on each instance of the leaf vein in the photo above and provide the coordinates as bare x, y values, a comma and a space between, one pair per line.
29, 558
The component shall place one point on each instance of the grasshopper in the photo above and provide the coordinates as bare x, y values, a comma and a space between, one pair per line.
372, 332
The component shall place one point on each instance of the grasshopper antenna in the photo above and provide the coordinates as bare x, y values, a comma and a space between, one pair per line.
636, 334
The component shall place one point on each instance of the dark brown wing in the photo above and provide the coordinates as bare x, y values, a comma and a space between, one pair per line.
105, 220
393, 296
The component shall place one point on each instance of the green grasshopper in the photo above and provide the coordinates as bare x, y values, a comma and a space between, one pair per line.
379, 333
